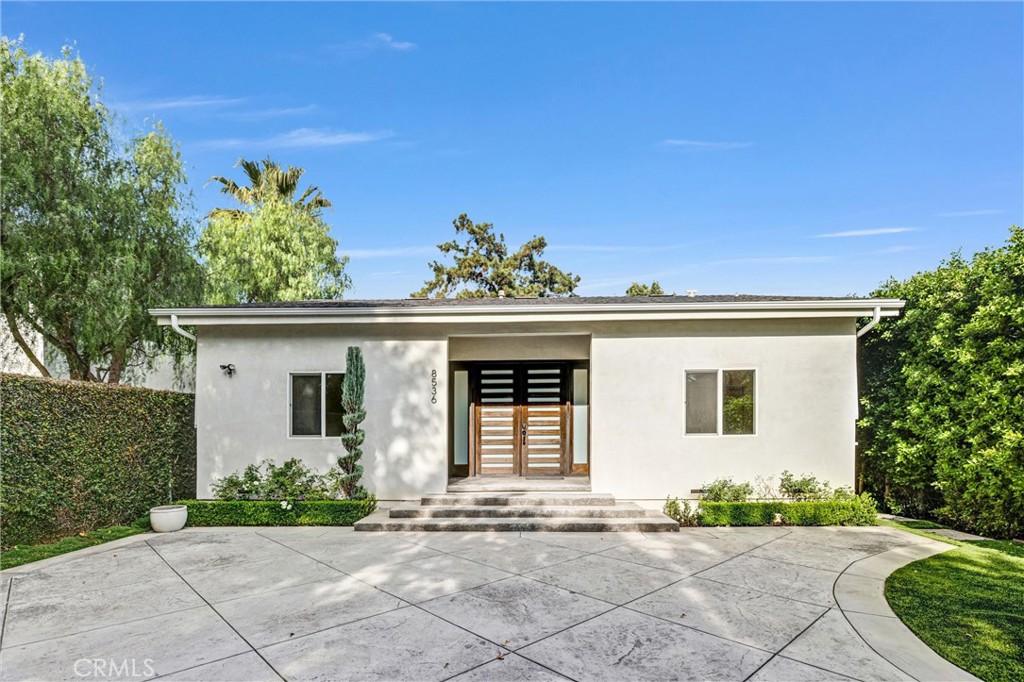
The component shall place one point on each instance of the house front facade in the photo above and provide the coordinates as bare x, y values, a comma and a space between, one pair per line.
644, 397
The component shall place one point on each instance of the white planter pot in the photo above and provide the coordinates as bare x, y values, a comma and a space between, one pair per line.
168, 518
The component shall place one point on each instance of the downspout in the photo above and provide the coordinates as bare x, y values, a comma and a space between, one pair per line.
860, 332
192, 337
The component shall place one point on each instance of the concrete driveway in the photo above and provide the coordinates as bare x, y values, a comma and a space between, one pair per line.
332, 604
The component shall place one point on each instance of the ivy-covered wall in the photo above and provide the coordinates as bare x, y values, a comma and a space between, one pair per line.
78, 456
942, 394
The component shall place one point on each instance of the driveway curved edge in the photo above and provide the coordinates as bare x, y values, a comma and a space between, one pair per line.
860, 593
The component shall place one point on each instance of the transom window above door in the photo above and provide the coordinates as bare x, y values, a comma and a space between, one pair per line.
314, 400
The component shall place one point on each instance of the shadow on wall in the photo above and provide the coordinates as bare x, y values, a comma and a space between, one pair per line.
245, 418
406, 453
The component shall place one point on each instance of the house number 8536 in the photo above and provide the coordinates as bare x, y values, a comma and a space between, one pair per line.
433, 387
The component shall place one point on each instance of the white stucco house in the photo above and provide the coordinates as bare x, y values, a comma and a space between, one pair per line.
644, 396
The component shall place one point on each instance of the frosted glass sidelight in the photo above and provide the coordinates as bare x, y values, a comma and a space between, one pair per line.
461, 427
580, 416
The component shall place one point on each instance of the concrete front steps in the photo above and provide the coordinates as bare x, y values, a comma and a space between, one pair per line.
518, 511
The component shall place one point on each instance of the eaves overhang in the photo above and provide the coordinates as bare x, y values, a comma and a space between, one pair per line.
498, 314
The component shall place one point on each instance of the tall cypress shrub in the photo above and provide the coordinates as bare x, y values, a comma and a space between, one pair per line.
352, 393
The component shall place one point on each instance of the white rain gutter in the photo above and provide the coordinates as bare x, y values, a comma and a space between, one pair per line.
875, 318
192, 337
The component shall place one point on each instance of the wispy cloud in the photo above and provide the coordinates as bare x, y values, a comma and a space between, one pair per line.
391, 252
280, 112
623, 248
386, 41
969, 214
773, 260
703, 144
296, 139
893, 249
867, 233
372, 43
596, 248
189, 102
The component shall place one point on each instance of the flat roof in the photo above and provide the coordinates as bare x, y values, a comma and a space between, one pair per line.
575, 308
510, 301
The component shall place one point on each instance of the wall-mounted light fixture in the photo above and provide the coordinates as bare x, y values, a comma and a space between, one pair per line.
229, 369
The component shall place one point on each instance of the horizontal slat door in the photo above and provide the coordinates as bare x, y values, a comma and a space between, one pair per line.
497, 430
543, 415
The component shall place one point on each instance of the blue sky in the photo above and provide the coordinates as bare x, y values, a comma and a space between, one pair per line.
758, 148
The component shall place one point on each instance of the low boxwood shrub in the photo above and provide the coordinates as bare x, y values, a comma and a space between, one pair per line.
857, 511
78, 456
284, 513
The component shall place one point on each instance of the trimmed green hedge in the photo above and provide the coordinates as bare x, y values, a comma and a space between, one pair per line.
79, 456
263, 513
860, 511
942, 395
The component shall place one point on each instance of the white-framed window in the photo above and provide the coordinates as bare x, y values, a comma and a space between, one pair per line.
314, 404
721, 402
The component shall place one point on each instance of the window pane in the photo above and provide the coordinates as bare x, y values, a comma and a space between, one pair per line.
738, 401
332, 404
306, 405
701, 403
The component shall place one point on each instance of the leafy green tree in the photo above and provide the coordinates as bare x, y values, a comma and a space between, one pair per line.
276, 246
484, 267
276, 252
352, 394
638, 289
93, 231
942, 394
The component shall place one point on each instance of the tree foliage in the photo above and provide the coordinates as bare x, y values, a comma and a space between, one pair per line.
93, 230
276, 247
483, 267
638, 289
276, 252
942, 389
352, 394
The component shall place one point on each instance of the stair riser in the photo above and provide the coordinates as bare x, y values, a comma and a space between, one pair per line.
482, 501
518, 512
520, 525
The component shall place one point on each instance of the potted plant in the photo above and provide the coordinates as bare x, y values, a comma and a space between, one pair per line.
170, 517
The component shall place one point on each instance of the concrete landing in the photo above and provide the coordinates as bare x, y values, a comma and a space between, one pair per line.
512, 484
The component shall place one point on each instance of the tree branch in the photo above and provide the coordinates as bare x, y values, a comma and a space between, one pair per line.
16, 333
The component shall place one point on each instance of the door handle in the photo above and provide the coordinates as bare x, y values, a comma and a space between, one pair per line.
523, 433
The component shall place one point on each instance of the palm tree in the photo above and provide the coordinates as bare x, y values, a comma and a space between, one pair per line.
267, 181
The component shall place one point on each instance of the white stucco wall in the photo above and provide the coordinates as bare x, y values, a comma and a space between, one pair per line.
244, 418
806, 398
806, 404
12, 357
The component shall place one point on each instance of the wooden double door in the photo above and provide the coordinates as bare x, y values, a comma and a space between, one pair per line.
521, 419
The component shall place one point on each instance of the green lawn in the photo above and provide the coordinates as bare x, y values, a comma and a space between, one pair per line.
966, 604
23, 554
